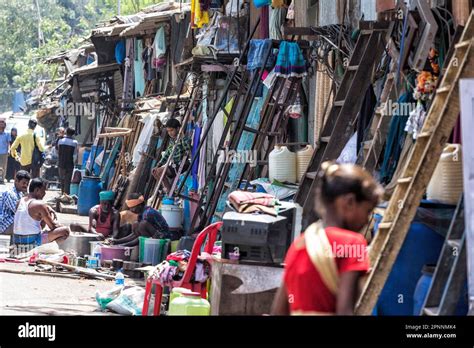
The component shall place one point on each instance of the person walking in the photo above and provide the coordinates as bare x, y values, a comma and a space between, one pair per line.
12, 166
4, 150
28, 143
67, 151
323, 266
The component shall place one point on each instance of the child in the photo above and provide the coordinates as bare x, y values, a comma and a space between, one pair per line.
323, 266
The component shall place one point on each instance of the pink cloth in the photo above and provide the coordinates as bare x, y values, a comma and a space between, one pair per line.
243, 197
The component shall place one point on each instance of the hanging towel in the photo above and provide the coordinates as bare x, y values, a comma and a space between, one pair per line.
160, 42
290, 60
159, 52
258, 51
138, 67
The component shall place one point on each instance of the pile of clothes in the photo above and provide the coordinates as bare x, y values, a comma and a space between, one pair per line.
174, 268
251, 202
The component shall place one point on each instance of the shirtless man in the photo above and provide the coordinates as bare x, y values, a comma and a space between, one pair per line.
33, 215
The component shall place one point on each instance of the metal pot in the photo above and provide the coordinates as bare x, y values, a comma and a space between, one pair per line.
78, 242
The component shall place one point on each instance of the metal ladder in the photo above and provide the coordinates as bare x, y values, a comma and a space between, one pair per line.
417, 171
451, 270
340, 124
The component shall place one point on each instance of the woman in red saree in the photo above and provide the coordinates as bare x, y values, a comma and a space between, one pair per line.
323, 266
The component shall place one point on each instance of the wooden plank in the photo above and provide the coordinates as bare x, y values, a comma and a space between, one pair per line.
422, 161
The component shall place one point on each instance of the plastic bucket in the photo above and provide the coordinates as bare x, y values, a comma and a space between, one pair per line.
173, 215
141, 247
152, 251
113, 252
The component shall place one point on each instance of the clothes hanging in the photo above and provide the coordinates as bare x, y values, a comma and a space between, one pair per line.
277, 20
199, 17
416, 120
147, 58
349, 153
262, 3
365, 115
456, 137
120, 52
291, 11
138, 69
258, 51
395, 140
159, 49
290, 60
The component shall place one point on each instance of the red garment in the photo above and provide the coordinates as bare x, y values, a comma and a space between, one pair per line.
305, 288
104, 228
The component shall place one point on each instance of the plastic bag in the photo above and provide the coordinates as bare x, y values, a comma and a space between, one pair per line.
129, 302
104, 298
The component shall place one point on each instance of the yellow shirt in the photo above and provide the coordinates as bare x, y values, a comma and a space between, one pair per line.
27, 147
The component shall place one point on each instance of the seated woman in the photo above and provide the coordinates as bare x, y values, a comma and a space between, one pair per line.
150, 223
33, 215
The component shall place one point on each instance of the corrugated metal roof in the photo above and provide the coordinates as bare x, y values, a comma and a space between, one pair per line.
94, 69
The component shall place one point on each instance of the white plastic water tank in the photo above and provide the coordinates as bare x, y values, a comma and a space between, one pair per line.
303, 157
446, 184
282, 165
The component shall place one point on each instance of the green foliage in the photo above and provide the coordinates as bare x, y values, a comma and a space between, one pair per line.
64, 24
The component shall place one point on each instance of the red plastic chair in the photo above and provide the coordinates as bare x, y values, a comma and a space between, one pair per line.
209, 234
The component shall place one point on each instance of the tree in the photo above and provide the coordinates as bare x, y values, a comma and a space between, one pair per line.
62, 25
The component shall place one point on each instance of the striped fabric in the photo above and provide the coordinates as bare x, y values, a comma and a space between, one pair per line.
243, 197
